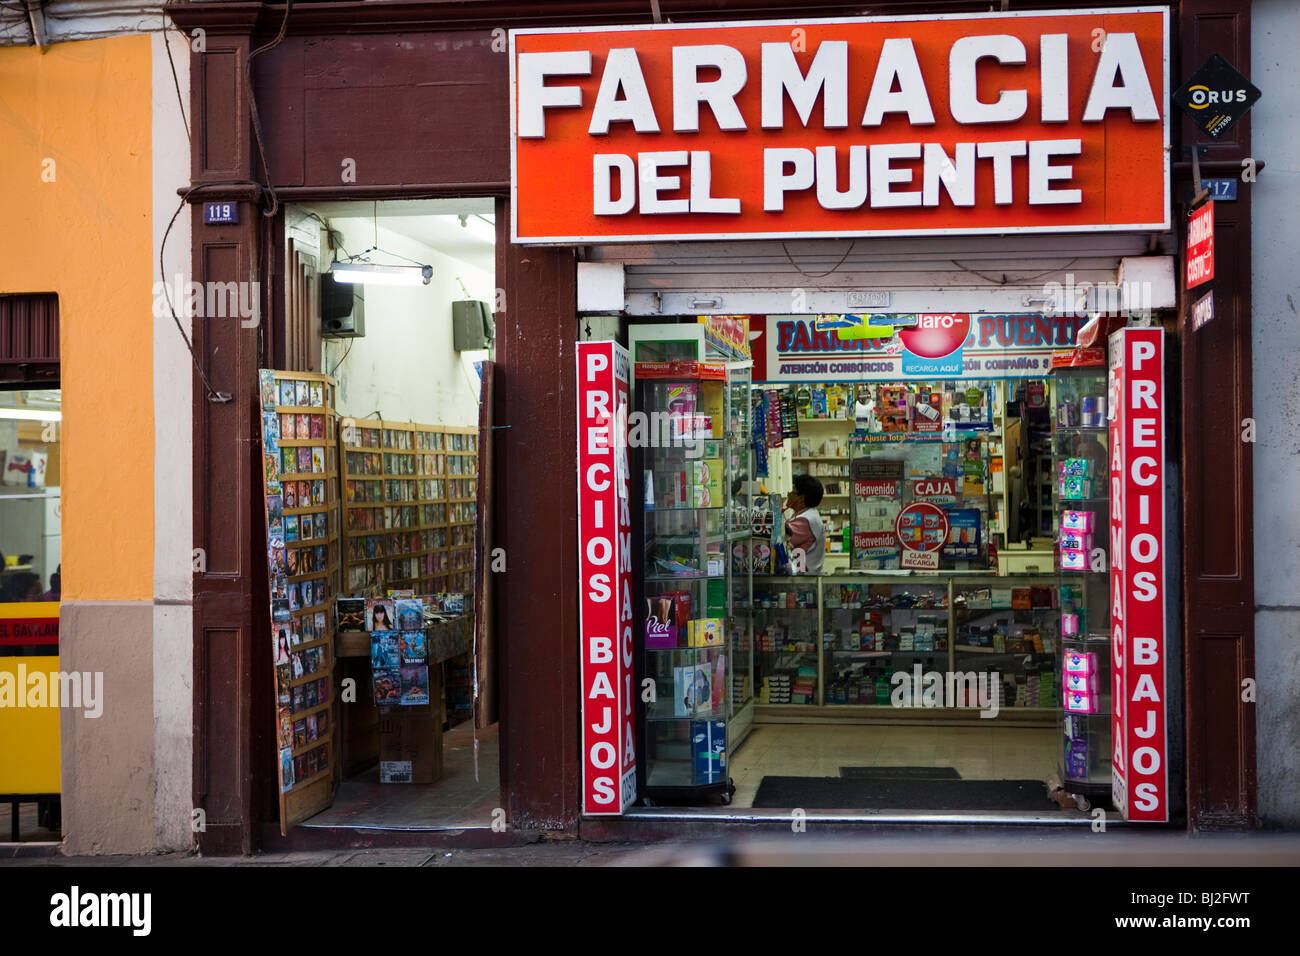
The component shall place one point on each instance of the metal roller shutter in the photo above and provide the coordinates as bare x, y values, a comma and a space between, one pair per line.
998, 274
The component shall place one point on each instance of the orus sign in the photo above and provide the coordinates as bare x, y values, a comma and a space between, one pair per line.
1139, 727
605, 569
907, 125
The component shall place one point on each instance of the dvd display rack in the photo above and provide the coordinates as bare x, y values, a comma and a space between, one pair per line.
300, 493
409, 500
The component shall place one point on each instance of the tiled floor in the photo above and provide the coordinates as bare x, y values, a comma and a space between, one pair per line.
457, 800
811, 750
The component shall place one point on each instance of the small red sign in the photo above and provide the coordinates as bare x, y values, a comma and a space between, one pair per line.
922, 529
1200, 245
941, 489
863, 488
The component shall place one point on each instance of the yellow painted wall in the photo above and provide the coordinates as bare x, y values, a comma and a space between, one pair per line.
87, 236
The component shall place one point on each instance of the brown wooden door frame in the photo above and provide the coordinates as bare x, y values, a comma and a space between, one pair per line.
1218, 515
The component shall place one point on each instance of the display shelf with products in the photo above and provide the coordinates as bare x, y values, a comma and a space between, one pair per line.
300, 491
1080, 471
408, 509
872, 630
1007, 628
694, 619
854, 632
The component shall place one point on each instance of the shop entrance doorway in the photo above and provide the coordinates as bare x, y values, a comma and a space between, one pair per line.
923, 667
390, 304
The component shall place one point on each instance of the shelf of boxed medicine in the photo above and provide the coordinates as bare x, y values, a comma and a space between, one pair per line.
1011, 634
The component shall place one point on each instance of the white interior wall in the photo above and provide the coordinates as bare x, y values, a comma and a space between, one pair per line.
405, 366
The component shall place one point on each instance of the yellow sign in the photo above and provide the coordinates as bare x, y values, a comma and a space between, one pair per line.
29, 713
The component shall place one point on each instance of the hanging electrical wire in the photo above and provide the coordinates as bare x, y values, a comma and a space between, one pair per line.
252, 109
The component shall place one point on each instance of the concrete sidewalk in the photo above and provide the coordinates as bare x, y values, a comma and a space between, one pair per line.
933, 847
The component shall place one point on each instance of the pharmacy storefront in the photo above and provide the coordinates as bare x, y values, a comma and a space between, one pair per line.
946, 242
865, 468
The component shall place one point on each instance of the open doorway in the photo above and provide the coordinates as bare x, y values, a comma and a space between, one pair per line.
400, 318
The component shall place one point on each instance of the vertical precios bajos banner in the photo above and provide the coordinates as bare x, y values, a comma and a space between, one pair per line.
605, 579
1139, 721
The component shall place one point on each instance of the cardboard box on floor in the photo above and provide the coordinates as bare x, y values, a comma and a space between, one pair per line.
410, 740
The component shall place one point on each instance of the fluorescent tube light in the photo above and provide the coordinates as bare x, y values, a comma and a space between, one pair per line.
31, 414
371, 274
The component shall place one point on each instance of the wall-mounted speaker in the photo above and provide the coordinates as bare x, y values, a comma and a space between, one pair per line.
342, 308
472, 326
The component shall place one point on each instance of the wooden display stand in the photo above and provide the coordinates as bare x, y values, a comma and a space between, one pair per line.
372, 734
300, 492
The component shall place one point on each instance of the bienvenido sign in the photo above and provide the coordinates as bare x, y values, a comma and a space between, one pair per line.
959, 124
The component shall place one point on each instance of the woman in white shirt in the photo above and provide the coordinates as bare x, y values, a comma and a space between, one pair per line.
804, 532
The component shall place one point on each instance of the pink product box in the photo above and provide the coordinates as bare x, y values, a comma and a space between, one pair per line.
1075, 541
1074, 560
1069, 625
1081, 684
1077, 703
1080, 662
1079, 521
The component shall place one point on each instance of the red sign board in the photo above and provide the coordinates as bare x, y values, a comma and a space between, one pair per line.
1140, 759
874, 488
605, 569
941, 490
967, 123
922, 529
1200, 245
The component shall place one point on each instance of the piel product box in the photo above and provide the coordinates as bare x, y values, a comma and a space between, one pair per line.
666, 618
709, 750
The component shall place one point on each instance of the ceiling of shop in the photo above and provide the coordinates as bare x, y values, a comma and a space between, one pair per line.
432, 222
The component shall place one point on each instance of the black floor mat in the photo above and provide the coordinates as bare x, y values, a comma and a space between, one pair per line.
900, 793
903, 773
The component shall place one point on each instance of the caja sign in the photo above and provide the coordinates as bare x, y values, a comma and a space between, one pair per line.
1139, 724
605, 569
909, 125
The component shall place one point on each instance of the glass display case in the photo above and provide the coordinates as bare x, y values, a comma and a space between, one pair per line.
873, 629
1007, 628
1080, 475
694, 612
786, 636
838, 640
